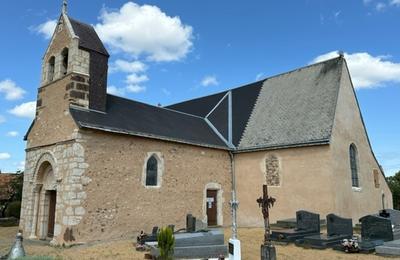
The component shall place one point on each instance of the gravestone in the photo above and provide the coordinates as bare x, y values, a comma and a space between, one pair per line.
393, 214
375, 227
142, 239
307, 224
203, 245
337, 229
190, 223
375, 230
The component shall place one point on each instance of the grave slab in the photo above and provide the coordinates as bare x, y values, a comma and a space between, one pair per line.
307, 224
391, 248
337, 229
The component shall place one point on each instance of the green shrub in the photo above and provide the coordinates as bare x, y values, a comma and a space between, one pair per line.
166, 243
13, 209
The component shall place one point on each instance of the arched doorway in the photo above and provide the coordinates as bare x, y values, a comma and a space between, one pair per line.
45, 195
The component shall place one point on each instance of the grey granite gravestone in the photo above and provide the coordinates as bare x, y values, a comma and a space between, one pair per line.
190, 223
201, 245
337, 229
307, 224
375, 230
392, 214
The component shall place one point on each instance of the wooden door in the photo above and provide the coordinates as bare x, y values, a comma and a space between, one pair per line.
52, 213
211, 204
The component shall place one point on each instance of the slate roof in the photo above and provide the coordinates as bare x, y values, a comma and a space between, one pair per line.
132, 117
295, 108
88, 38
291, 109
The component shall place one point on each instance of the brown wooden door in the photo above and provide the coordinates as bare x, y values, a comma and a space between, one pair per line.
52, 213
211, 204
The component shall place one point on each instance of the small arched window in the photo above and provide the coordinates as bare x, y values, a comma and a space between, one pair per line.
50, 68
151, 171
64, 64
353, 165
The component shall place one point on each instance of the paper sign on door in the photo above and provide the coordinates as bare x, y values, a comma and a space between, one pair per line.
210, 202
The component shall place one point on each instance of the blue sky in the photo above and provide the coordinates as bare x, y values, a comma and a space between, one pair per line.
186, 49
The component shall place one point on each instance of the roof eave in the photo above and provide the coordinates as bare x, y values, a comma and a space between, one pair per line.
282, 146
146, 135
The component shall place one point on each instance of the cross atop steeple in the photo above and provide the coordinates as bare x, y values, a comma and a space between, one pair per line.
64, 7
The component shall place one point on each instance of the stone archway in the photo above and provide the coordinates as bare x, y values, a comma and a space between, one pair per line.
44, 199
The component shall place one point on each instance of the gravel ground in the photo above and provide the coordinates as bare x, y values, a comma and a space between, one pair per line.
124, 249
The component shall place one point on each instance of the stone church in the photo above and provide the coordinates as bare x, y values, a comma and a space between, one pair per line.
100, 166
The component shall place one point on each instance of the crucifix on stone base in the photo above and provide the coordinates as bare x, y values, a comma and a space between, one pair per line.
265, 203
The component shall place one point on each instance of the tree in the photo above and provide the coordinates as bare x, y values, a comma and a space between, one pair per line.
394, 185
11, 193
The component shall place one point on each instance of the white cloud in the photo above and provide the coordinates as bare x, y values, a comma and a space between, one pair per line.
5, 156
11, 90
209, 81
367, 71
113, 90
145, 30
133, 79
380, 6
366, 2
135, 88
46, 29
12, 134
2, 119
26, 110
128, 67
395, 2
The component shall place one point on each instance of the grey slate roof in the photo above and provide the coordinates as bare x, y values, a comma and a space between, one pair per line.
292, 109
88, 38
131, 117
295, 108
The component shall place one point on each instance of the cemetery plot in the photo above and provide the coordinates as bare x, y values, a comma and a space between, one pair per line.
337, 229
307, 224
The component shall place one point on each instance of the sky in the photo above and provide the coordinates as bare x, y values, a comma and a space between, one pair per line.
164, 52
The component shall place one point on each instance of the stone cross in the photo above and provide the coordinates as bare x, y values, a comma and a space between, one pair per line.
265, 202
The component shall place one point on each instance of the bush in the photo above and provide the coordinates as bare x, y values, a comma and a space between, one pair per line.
166, 243
13, 209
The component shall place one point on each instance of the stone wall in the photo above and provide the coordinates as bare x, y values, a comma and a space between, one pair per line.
67, 160
119, 204
78, 59
305, 182
354, 202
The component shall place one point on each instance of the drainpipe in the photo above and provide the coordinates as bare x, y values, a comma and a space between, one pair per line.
234, 243
234, 203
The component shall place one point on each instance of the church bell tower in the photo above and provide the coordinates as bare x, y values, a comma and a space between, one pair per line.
76, 61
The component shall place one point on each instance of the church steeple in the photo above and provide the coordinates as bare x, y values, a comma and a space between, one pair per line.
64, 7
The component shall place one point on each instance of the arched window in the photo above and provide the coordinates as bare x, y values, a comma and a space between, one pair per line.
50, 68
64, 64
151, 171
354, 166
